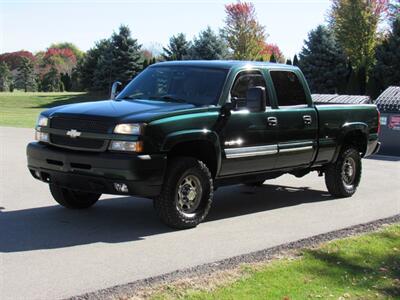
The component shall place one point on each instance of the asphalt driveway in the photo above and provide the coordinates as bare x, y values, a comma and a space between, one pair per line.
48, 252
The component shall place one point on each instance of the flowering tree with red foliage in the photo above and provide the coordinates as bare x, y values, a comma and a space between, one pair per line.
64, 60
14, 59
270, 49
243, 33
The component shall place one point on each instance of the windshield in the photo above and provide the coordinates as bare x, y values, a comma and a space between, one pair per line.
195, 85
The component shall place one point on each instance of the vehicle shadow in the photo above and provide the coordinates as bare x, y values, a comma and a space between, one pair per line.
125, 219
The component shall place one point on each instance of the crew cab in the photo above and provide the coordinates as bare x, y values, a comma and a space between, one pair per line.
179, 130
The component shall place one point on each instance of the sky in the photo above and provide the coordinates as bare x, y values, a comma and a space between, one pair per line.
35, 24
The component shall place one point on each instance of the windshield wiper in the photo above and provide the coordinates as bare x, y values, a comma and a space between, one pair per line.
168, 98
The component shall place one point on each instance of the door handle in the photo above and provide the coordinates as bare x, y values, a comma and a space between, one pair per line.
272, 121
307, 119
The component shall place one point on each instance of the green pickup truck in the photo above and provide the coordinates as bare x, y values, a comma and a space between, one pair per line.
179, 130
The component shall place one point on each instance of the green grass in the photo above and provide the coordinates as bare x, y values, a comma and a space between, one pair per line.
20, 109
365, 267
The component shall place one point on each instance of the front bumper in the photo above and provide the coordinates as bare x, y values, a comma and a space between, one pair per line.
97, 172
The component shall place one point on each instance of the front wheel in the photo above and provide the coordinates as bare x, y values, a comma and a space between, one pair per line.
73, 199
186, 195
343, 177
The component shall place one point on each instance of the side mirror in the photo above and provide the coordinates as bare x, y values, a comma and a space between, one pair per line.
256, 99
114, 89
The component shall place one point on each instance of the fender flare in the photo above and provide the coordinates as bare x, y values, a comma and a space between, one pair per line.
346, 129
194, 135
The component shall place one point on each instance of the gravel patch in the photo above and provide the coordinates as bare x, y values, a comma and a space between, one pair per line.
130, 289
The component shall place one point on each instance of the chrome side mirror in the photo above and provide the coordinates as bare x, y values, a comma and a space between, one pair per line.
114, 89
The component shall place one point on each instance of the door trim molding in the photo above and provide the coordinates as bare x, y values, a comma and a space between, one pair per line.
296, 149
251, 151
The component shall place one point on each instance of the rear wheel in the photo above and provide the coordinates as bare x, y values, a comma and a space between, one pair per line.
186, 195
343, 177
73, 199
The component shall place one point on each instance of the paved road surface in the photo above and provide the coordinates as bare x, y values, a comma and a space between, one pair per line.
48, 252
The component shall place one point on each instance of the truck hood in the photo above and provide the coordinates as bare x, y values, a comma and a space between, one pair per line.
120, 111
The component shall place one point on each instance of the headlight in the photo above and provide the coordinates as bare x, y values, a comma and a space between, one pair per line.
41, 136
134, 129
42, 121
126, 146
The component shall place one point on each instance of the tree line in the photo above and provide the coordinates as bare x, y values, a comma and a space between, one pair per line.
349, 55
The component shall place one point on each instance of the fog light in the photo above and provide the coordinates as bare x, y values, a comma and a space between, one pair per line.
37, 174
121, 187
41, 136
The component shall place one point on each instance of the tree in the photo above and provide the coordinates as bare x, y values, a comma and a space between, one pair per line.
126, 56
289, 61
5, 77
208, 46
355, 24
393, 11
271, 49
243, 33
322, 61
26, 77
177, 49
116, 58
272, 58
66, 45
387, 69
295, 60
87, 67
51, 81
14, 59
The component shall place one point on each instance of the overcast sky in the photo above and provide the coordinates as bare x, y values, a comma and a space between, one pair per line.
33, 25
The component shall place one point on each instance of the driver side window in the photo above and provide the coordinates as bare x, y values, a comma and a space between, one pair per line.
246, 80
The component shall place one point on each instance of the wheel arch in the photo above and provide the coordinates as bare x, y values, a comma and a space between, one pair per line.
355, 134
201, 144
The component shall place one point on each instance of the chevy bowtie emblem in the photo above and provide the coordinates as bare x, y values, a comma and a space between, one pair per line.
73, 133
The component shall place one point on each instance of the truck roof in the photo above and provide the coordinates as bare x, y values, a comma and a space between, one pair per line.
224, 64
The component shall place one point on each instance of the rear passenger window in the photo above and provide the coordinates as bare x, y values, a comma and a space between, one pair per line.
288, 88
245, 81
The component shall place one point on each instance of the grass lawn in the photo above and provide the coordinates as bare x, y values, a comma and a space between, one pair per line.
20, 109
364, 267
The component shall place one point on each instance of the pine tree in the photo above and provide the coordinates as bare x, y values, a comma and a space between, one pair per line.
322, 61
5, 77
126, 56
51, 81
26, 77
295, 60
116, 58
208, 46
177, 49
272, 59
387, 69
289, 61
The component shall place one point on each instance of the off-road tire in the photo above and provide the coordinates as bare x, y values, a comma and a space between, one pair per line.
334, 178
73, 199
166, 203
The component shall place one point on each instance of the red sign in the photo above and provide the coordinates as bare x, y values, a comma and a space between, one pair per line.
394, 122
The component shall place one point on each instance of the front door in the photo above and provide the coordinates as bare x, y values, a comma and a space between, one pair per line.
248, 141
297, 121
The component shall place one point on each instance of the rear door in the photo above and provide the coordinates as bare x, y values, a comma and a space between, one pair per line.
248, 141
296, 120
